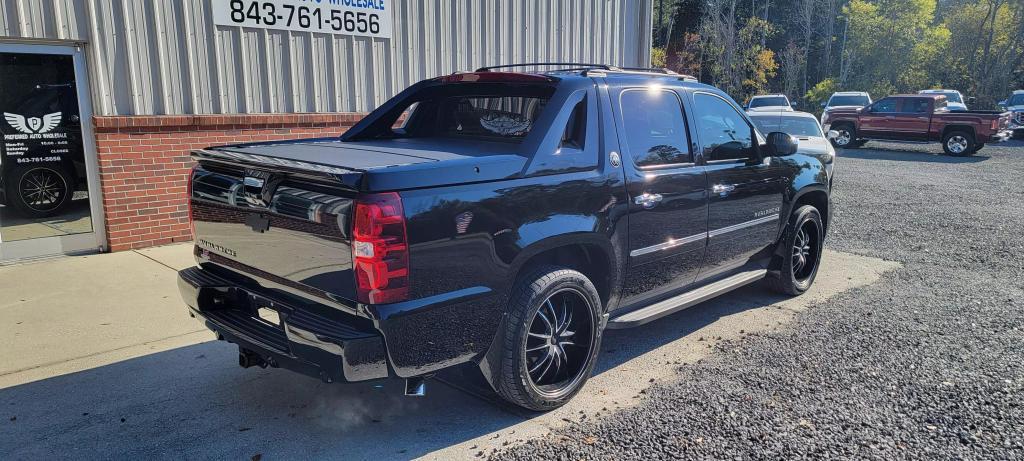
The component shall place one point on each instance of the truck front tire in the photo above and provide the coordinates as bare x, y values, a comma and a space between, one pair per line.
798, 255
847, 138
551, 338
959, 143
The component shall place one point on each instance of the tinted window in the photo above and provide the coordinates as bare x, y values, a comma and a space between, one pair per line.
500, 118
916, 105
772, 101
1016, 100
885, 105
848, 101
795, 126
723, 131
655, 129
483, 111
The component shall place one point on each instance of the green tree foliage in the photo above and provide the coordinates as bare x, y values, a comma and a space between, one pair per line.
658, 57
879, 46
821, 92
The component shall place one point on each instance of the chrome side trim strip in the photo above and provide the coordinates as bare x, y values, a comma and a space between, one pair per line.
669, 244
744, 225
693, 238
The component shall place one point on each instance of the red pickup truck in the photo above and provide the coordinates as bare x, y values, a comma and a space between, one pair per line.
918, 118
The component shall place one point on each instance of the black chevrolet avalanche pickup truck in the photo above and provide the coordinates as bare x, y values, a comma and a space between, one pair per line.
500, 218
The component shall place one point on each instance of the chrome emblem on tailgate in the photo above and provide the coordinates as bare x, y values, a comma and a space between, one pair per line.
258, 187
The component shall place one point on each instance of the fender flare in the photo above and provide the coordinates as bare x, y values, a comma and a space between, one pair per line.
797, 196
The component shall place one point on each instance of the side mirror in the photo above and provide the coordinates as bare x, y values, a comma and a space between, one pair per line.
971, 99
1002, 104
832, 134
824, 105
781, 144
792, 104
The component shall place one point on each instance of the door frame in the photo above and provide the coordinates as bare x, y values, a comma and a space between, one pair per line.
87, 242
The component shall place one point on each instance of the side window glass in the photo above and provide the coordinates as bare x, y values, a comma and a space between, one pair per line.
575, 133
403, 120
724, 133
655, 128
885, 105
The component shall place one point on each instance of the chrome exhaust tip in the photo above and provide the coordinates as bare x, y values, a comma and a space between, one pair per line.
415, 387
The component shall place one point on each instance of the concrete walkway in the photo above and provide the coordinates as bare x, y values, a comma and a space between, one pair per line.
70, 314
98, 359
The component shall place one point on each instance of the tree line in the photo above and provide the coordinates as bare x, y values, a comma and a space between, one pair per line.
809, 49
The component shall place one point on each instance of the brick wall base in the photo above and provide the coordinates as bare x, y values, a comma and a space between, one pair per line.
144, 165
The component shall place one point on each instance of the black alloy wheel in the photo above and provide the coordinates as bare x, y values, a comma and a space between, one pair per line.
550, 338
559, 340
39, 191
805, 249
799, 252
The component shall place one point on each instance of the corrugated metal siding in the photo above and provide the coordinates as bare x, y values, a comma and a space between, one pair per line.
150, 57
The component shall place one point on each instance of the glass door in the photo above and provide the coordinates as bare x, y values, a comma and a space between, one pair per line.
49, 195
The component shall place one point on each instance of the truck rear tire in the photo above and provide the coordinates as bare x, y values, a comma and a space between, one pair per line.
796, 261
551, 339
959, 143
39, 191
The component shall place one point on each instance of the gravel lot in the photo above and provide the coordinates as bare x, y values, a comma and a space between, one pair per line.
926, 363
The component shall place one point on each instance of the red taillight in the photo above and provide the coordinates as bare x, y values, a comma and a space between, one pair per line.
380, 253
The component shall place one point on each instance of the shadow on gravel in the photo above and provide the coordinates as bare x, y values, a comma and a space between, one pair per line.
907, 155
194, 402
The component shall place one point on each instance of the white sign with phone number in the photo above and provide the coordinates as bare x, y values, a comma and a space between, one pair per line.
368, 18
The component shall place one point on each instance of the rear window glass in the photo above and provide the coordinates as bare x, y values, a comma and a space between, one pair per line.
504, 112
508, 118
767, 102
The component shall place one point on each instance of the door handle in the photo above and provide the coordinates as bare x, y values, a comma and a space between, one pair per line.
647, 200
723, 189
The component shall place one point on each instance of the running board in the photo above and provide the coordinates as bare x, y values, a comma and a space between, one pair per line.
897, 141
677, 303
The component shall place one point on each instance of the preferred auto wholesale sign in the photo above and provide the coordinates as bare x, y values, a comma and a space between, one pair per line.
367, 18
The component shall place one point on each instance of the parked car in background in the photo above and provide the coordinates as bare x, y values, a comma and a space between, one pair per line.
811, 139
1015, 104
845, 100
919, 118
503, 219
954, 100
769, 102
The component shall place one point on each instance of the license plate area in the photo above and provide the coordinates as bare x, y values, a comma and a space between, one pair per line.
266, 311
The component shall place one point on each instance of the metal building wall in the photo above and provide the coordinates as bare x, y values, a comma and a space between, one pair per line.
151, 57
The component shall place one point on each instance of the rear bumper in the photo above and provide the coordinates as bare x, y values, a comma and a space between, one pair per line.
329, 346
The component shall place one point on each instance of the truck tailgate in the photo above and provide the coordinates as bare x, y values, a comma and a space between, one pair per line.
279, 212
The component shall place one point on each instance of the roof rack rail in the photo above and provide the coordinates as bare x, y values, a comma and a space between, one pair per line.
653, 70
575, 66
